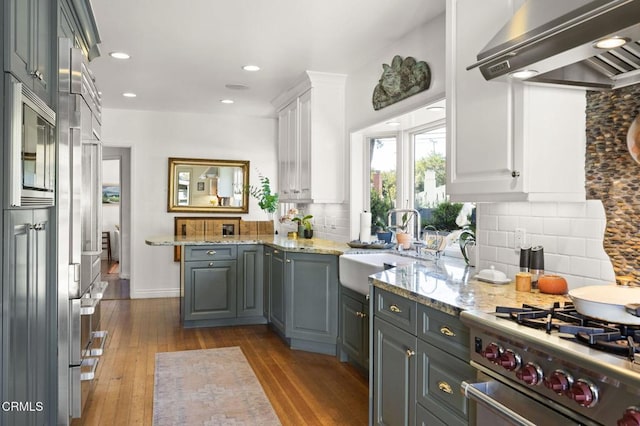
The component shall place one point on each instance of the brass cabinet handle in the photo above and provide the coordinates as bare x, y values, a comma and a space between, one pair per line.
361, 314
288, 260
211, 252
445, 387
410, 353
276, 251
394, 308
447, 331
267, 254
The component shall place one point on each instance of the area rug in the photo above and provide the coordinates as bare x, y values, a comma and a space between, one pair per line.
208, 387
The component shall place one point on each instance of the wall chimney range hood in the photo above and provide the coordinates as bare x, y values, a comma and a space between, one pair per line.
554, 41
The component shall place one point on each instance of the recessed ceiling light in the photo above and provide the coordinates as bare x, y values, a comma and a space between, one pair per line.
236, 86
251, 68
435, 108
392, 123
129, 95
119, 55
226, 101
611, 42
523, 74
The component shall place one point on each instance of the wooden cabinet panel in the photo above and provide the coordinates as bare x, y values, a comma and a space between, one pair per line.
210, 290
277, 309
354, 327
250, 280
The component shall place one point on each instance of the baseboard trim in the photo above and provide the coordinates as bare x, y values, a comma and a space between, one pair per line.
154, 294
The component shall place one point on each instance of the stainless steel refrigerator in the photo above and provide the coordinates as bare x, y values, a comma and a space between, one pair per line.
80, 290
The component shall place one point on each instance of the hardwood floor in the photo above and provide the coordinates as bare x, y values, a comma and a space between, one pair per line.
304, 388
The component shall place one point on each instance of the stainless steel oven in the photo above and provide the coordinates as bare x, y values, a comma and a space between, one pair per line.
534, 369
32, 155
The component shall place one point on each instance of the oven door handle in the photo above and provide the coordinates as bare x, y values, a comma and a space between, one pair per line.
474, 391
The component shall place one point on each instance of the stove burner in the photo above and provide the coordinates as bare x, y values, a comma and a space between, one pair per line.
615, 338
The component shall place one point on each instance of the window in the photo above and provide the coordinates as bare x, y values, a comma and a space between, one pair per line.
382, 176
429, 166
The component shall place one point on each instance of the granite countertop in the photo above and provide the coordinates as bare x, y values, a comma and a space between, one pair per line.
313, 245
448, 286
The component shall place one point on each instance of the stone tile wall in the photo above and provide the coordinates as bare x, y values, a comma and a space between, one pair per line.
612, 175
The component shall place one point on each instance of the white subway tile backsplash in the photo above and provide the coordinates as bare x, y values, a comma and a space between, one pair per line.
557, 226
571, 234
532, 225
572, 246
498, 239
520, 209
572, 210
585, 267
507, 223
544, 209
587, 228
595, 210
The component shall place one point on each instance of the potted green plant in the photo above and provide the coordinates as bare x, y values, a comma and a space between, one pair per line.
267, 200
382, 231
402, 236
305, 221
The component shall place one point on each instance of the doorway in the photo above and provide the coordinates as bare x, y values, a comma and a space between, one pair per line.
116, 213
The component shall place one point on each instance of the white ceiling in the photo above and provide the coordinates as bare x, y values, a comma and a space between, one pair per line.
183, 53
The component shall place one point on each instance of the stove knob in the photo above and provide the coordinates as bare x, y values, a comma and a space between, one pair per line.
559, 381
530, 373
631, 417
584, 393
510, 360
492, 352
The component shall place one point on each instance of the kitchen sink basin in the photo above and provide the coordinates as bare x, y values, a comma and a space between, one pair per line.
356, 268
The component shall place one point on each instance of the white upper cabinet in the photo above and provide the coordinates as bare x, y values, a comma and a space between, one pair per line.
311, 140
507, 140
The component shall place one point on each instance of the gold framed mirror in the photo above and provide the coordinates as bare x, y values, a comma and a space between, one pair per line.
208, 186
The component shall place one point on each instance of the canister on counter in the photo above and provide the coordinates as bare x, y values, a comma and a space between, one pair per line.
523, 281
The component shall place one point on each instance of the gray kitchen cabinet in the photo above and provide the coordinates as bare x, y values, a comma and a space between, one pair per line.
29, 44
311, 286
420, 357
303, 298
277, 312
222, 285
353, 338
266, 282
250, 280
210, 290
28, 318
394, 377
506, 123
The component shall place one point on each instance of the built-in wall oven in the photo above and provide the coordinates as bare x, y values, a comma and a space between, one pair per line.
32, 148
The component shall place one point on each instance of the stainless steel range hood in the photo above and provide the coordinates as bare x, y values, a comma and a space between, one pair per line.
556, 39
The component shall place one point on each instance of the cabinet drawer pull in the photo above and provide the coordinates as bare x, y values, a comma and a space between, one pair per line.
211, 252
210, 263
276, 252
288, 260
445, 387
267, 254
410, 353
394, 308
447, 331
361, 314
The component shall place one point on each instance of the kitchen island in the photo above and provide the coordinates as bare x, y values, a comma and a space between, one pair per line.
420, 349
292, 284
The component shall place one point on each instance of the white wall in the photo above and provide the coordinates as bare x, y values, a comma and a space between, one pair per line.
425, 43
571, 234
153, 138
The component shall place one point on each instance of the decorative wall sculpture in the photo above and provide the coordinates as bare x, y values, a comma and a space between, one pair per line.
403, 78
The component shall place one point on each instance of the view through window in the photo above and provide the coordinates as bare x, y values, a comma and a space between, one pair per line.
382, 157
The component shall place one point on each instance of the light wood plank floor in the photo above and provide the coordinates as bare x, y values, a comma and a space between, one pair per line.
304, 388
